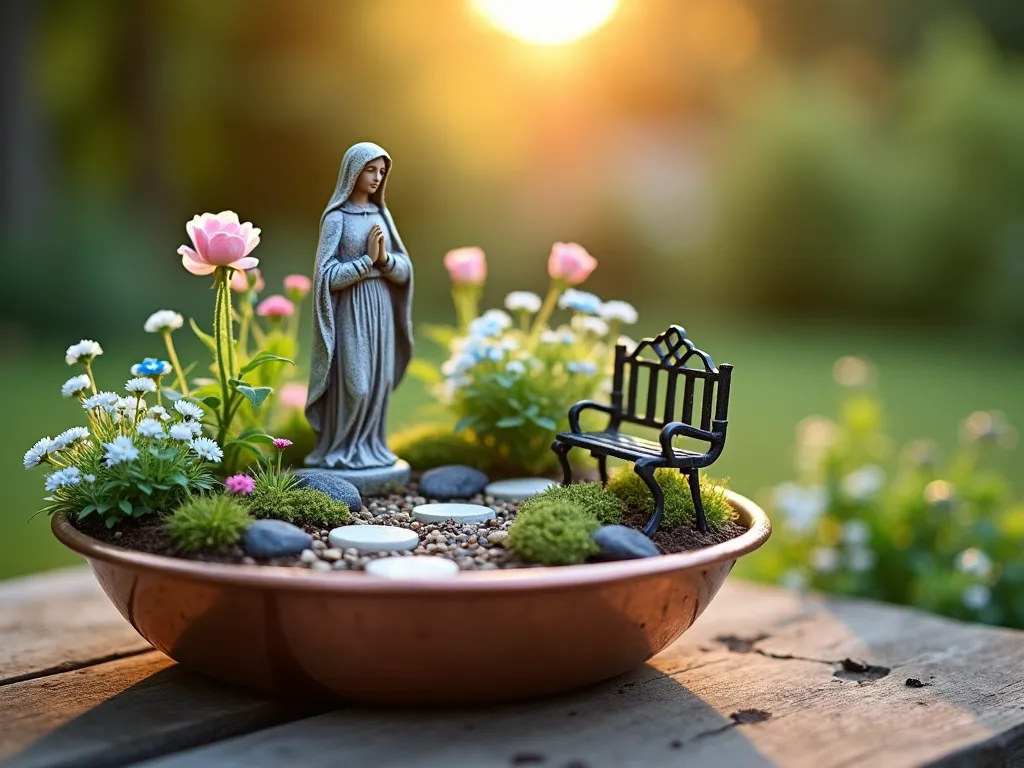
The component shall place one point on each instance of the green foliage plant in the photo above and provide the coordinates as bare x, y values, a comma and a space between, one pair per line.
554, 531
909, 526
301, 506
208, 523
604, 506
426, 446
132, 459
630, 488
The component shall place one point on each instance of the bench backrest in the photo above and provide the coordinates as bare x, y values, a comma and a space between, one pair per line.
668, 379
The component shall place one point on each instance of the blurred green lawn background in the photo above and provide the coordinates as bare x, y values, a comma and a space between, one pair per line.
782, 375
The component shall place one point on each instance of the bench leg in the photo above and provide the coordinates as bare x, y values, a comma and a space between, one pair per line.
602, 467
698, 505
562, 451
646, 472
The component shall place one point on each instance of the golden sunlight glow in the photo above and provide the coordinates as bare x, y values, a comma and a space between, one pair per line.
547, 22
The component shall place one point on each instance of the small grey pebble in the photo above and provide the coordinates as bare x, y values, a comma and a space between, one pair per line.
340, 565
308, 556
320, 565
332, 554
319, 545
248, 560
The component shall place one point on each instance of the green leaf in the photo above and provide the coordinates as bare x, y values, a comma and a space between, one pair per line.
212, 402
464, 423
111, 522
255, 395
545, 422
443, 335
141, 510
254, 438
261, 359
204, 337
179, 479
510, 421
125, 505
104, 507
86, 511
425, 372
146, 488
171, 394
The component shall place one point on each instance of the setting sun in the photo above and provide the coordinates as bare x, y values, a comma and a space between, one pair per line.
547, 22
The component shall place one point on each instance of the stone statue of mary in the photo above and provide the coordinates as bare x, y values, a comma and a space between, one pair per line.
362, 329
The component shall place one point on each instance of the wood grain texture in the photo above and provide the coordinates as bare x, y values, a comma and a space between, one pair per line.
758, 681
123, 711
59, 621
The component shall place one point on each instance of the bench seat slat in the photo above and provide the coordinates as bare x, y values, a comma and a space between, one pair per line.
621, 446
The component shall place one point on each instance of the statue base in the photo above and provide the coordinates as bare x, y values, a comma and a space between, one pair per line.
370, 482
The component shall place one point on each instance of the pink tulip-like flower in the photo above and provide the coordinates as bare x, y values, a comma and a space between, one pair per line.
297, 286
281, 443
570, 263
219, 241
243, 485
467, 266
293, 395
275, 306
240, 281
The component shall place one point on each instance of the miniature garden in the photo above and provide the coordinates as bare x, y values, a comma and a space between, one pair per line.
199, 461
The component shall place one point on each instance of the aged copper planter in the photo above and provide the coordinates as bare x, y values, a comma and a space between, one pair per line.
354, 637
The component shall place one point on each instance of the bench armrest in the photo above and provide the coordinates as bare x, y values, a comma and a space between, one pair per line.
587, 405
674, 428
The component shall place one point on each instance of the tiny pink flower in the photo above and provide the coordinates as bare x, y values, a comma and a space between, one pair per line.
281, 443
293, 395
571, 263
297, 286
275, 306
467, 266
240, 281
218, 240
243, 485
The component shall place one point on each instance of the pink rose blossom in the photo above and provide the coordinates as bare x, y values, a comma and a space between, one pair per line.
570, 263
219, 241
293, 395
240, 281
240, 484
297, 286
467, 266
275, 306
281, 443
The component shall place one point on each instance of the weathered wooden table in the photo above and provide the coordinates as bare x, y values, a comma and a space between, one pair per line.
759, 680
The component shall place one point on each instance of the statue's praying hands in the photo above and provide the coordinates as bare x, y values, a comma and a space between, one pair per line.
375, 245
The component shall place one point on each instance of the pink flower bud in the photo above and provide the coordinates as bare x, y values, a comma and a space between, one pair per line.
275, 306
570, 263
240, 281
243, 485
218, 240
297, 286
467, 266
281, 443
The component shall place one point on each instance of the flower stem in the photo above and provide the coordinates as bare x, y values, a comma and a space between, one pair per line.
171, 353
547, 309
222, 285
243, 327
88, 371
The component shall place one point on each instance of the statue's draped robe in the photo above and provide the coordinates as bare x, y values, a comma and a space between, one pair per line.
362, 330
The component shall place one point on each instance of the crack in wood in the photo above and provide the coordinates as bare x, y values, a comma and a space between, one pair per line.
738, 718
72, 666
849, 669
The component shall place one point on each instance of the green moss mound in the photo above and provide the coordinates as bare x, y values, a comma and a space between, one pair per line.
301, 506
591, 497
554, 532
630, 488
208, 522
426, 446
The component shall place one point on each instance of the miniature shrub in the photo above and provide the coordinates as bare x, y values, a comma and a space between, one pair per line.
554, 531
628, 486
208, 522
602, 504
426, 446
301, 506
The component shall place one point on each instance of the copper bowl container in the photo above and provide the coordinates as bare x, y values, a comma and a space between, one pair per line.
348, 635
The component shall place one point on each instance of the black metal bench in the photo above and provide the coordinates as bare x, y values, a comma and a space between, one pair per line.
664, 357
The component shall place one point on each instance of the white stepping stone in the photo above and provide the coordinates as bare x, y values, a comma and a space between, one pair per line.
373, 538
460, 513
520, 488
413, 568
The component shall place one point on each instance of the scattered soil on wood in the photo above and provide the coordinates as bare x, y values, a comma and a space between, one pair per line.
149, 534
860, 671
683, 538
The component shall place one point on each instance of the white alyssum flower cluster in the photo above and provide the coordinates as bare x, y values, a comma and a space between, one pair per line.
163, 320
75, 386
188, 409
83, 352
62, 477
140, 386
207, 449
120, 451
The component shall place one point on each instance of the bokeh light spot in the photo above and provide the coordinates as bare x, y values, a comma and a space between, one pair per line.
547, 22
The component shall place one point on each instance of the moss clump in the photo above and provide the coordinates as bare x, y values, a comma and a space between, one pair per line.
634, 493
208, 522
593, 498
301, 506
554, 532
434, 445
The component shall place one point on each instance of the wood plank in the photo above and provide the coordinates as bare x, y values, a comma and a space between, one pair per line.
758, 681
123, 711
59, 621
